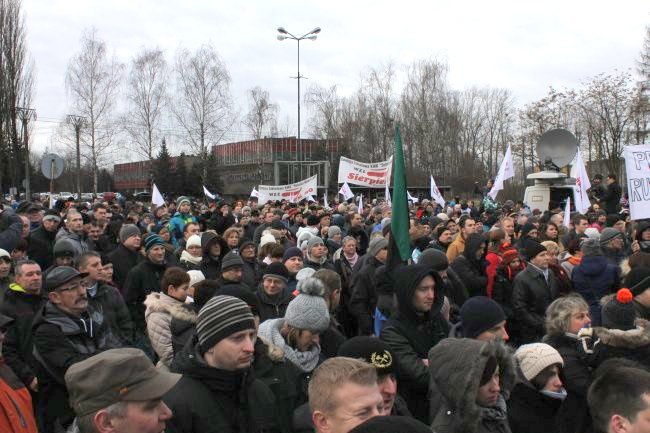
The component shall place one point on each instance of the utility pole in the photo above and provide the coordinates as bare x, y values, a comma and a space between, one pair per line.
25, 115
77, 122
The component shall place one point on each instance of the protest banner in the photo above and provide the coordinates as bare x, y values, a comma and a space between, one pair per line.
371, 175
294, 192
637, 166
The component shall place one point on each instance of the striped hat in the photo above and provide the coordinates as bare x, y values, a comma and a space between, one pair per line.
221, 317
151, 241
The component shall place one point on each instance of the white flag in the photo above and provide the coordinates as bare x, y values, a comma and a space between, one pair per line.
506, 171
361, 203
254, 193
387, 194
579, 172
310, 198
325, 203
411, 198
345, 191
207, 193
435, 194
567, 213
156, 196
52, 201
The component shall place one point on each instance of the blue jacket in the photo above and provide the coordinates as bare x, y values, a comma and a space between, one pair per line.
594, 278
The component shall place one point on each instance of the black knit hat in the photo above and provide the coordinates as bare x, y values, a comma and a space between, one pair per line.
391, 424
434, 259
638, 280
221, 317
372, 350
532, 248
478, 314
619, 312
277, 270
291, 252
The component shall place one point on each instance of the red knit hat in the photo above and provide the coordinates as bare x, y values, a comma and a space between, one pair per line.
509, 255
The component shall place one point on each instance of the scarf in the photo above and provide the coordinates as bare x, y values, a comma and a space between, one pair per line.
187, 257
496, 413
352, 260
306, 361
561, 395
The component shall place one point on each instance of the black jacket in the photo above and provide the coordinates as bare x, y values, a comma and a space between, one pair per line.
612, 198
220, 223
530, 411
41, 247
364, 296
208, 400
273, 307
108, 301
470, 269
142, 280
182, 329
61, 340
211, 266
531, 295
123, 261
363, 240
18, 345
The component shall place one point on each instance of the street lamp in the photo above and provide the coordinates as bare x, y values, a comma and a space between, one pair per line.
284, 34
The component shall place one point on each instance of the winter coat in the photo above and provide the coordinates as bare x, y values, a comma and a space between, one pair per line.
323, 264
364, 296
410, 335
331, 339
211, 266
142, 280
470, 269
41, 247
11, 229
456, 247
190, 263
220, 223
493, 260
633, 344
363, 240
503, 286
16, 410
176, 226
574, 416
251, 273
17, 347
531, 295
455, 291
61, 340
530, 411
344, 315
123, 260
273, 307
80, 243
209, 400
564, 285
612, 198
158, 315
183, 326
594, 278
456, 367
615, 257
109, 302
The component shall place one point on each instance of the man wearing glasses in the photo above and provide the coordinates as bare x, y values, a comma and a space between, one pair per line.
65, 332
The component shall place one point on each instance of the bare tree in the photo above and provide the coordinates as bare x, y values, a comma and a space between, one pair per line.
261, 119
203, 106
147, 96
92, 82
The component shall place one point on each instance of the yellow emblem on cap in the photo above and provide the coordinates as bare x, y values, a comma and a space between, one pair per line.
123, 390
381, 360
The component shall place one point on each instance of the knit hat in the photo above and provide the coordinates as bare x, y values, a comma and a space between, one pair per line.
267, 238
51, 215
5, 254
63, 248
592, 233
127, 231
333, 231
618, 312
608, 234
478, 314
532, 248
376, 244
231, 260
277, 270
372, 350
391, 424
535, 357
590, 247
305, 273
313, 241
193, 241
195, 277
221, 317
638, 280
508, 255
443, 216
291, 252
151, 241
240, 292
277, 225
182, 199
304, 235
308, 309
434, 259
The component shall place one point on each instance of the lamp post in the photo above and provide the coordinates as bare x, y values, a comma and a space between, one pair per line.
284, 34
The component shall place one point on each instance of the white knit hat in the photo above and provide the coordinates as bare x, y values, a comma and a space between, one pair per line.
4, 253
268, 238
535, 357
193, 241
195, 277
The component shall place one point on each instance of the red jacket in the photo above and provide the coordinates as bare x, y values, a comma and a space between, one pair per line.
493, 260
16, 411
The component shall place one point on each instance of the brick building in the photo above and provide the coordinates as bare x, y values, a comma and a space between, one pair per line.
135, 176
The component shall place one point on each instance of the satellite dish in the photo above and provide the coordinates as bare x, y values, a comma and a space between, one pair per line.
557, 148
52, 166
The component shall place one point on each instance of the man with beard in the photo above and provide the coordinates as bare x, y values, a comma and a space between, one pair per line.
65, 332
41, 241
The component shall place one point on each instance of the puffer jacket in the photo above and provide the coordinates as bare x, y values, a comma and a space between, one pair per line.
472, 270
531, 296
594, 278
160, 309
456, 367
410, 335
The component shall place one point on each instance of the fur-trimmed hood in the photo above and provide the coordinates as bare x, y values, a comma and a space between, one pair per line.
631, 339
157, 302
456, 366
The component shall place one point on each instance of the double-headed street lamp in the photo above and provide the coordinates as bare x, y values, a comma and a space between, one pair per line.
284, 34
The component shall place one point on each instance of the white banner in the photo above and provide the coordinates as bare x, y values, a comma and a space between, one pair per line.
637, 166
579, 172
371, 175
294, 192
156, 196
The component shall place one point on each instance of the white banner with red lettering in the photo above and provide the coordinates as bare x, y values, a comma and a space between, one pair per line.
371, 175
294, 192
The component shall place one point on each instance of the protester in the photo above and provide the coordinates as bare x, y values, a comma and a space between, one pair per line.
511, 265
470, 265
5, 271
293, 261
232, 270
481, 318
316, 257
334, 336
454, 288
467, 227
127, 254
364, 296
214, 249
180, 219
41, 240
638, 281
273, 294
192, 255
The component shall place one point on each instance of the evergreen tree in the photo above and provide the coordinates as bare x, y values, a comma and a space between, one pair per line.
163, 175
213, 180
180, 178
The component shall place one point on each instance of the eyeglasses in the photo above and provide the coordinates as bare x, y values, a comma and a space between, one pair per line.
76, 286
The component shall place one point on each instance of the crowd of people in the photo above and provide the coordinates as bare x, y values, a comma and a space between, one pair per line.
248, 317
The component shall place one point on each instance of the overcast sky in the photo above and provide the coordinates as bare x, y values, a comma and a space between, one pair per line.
523, 46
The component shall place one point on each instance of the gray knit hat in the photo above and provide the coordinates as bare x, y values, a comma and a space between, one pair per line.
230, 260
127, 231
608, 234
182, 199
221, 317
313, 241
590, 247
308, 310
376, 245
333, 231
